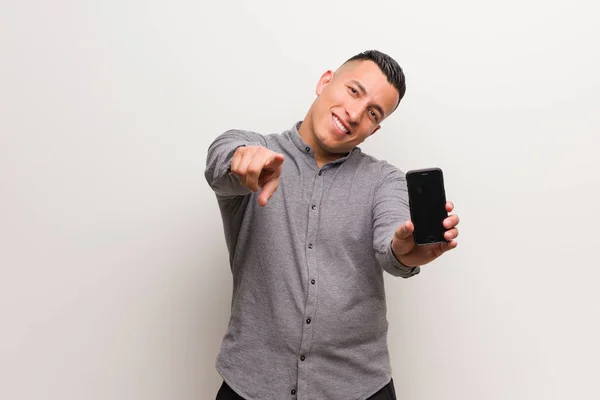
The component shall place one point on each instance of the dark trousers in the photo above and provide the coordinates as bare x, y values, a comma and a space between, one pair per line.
386, 393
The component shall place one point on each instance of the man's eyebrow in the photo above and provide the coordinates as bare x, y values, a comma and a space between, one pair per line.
360, 86
364, 91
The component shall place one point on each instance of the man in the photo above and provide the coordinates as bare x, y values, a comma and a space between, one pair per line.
311, 222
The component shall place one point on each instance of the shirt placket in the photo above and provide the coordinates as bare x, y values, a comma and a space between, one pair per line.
312, 285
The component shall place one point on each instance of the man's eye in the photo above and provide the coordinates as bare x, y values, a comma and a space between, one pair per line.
373, 114
354, 91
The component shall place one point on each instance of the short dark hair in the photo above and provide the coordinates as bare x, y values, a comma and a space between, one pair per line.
390, 68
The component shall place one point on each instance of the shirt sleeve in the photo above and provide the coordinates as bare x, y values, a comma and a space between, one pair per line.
390, 210
218, 162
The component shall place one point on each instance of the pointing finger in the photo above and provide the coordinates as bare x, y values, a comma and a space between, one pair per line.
267, 191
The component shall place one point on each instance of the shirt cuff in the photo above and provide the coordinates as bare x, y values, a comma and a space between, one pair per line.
403, 270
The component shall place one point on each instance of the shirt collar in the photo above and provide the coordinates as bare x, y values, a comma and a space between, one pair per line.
306, 149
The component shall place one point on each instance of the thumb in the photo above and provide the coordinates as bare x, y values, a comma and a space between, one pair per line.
403, 242
404, 231
274, 161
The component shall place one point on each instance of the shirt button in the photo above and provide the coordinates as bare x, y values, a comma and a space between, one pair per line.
302, 358
314, 207
308, 321
320, 173
307, 149
310, 246
293, 392
312, 281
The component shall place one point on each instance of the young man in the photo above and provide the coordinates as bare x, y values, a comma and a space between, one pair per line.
311, 222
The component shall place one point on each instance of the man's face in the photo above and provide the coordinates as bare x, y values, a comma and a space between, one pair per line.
351, 104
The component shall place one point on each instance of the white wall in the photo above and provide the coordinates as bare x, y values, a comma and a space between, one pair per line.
114, 282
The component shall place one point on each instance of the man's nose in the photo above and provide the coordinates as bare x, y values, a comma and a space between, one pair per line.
355, 111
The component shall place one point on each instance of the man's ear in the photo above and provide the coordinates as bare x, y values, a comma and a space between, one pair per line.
324, 81
376, 129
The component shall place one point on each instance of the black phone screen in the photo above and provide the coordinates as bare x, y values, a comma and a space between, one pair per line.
427, 199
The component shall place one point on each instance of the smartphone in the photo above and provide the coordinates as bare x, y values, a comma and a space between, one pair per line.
427, 201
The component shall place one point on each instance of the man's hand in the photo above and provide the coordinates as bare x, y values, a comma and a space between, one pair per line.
408, 253
258, 167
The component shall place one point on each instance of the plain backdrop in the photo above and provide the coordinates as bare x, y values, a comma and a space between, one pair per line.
114, 275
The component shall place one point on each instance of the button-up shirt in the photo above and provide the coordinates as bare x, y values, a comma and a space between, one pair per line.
308, 311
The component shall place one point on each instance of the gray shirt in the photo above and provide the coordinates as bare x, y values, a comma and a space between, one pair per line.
308, 311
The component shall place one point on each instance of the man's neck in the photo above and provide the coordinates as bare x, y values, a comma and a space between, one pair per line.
322, 156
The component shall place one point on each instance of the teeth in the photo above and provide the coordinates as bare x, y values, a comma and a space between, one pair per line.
339, 124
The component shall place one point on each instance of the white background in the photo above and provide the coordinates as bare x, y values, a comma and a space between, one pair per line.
114, 279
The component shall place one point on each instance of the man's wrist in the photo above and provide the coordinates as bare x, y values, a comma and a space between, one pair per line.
397, 258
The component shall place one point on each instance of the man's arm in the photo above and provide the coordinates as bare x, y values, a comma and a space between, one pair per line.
390, 210
218, 162
394, 244
239, 163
